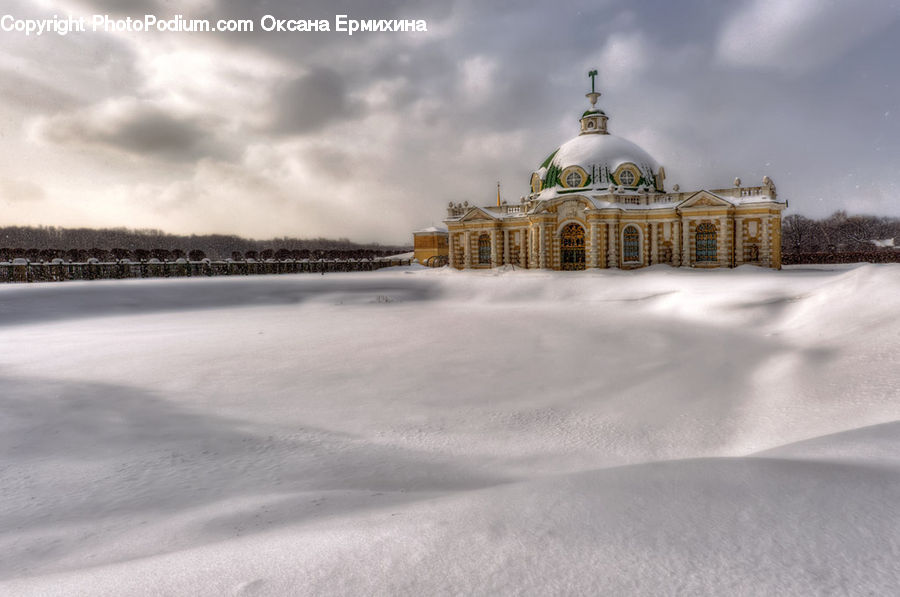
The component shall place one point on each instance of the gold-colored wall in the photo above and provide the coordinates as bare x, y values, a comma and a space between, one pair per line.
427, 245
757, 228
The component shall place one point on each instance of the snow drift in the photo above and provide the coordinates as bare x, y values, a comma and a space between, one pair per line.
437, 432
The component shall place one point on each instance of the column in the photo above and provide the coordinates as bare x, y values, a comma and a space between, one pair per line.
676, 243
467, 250
686, 243
505, 247
775, 254
495, 250
612, 260
593, 254
721, 254
450, 246
601, 244
654, 243
738, 241
523, 252
765, 249
542, 246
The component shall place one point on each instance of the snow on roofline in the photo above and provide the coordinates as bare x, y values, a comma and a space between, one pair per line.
622, 199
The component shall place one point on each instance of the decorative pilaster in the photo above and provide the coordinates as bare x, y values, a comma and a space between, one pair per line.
775, 254
495, 250
467, 250
612, 261
542, 246
450, 246
686, 243
676, 243
529, 234
654, 244
722, 246
593, 254
506, 247
523, 251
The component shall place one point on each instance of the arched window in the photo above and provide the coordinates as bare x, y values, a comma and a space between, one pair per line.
706, 243
571, 242
484, 249
631, 244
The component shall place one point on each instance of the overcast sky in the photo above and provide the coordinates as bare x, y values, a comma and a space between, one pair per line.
369, 136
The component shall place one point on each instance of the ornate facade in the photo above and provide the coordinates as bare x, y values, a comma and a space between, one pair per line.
599, 201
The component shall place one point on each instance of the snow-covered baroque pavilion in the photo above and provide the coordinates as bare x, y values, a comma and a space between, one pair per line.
599, 201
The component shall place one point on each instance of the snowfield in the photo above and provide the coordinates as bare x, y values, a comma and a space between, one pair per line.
431, 432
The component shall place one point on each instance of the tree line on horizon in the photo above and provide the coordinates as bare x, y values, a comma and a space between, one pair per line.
837, 237
840, 236
45, 243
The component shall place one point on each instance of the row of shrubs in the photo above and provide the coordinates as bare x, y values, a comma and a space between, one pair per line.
874, 256
8, 255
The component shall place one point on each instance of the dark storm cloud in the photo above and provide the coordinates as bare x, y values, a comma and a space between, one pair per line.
134, 126
153, 132
309, 102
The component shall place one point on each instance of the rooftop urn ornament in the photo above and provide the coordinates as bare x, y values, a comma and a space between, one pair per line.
593, 96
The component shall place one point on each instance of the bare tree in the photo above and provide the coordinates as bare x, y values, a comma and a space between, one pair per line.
796, 233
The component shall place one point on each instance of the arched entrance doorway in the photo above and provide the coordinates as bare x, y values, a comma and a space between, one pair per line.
572, 247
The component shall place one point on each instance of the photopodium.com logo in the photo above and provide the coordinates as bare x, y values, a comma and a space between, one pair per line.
179, 24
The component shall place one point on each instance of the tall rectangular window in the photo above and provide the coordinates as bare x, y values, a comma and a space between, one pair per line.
631, 244
705, 243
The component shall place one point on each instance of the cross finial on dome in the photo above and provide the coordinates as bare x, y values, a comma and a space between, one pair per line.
593, 96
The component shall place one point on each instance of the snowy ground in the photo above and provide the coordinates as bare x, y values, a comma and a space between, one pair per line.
427, 432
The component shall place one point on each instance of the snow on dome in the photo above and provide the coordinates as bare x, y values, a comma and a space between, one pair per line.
601, 156
607, 150
597, 160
